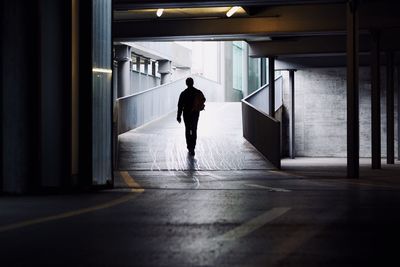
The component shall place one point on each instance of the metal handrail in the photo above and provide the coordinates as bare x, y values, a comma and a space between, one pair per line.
261, 102
262, 112
257, 91
150, 89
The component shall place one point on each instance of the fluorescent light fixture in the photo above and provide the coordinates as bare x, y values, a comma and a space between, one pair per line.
101, 70
159, 12
232, 11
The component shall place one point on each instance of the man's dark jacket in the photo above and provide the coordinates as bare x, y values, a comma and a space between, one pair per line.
187, 100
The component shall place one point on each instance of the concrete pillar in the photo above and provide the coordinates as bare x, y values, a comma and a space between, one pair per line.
146, 66
375, 102
137, 86
390, 108
263, 69
398, 112
75, 91
165, 69
292, 151
20, 92
123, 57
271, 82
153, 68
245, 62
36, 94
226, 70
353, 132
137, 63
56, 93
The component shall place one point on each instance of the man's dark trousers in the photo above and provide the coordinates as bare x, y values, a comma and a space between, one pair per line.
191, 119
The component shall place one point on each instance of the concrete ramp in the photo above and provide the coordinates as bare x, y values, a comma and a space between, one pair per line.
160, 145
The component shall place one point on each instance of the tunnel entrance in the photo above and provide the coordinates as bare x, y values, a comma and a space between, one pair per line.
101, 111
148, 63
146, 133
153, 141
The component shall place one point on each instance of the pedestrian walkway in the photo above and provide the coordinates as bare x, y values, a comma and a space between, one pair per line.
160, 145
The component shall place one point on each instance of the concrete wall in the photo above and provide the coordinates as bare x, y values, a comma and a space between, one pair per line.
231, 95
180, 56
179, 73
19, 89
141, 82
320, 111
206, 59
36, 95
138, 109
263, 132
55, 93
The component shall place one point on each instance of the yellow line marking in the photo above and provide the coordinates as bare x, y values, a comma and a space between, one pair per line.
67, 214
128, 180
252, 225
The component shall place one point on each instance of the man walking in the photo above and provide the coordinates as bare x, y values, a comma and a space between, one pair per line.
191, 102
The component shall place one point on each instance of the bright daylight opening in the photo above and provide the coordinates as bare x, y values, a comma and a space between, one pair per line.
150, 78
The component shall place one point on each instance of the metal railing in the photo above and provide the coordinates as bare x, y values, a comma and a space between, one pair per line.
260, 129
140, 108
259, 98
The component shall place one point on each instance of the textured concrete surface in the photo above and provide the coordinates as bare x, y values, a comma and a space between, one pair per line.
320, 125
161, 145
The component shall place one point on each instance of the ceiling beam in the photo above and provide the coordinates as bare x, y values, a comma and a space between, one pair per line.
277, 21
142, 4
301, 46
314, 45
317, 45
302, 20
329, 61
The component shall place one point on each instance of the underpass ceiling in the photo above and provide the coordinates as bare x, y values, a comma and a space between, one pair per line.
289, 27
269, 22
146, 4
176, 13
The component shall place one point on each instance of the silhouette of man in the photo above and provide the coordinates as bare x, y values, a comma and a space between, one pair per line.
191, 102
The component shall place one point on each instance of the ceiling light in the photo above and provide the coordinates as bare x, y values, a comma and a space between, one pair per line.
232, 11
159, 12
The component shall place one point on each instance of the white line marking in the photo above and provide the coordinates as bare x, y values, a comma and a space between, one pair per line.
274, 189
252, 225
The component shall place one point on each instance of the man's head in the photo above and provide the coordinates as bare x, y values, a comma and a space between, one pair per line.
189, 82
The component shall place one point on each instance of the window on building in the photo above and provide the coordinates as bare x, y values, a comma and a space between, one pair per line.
134, 63
143, 67
152, 68
237, 51
254, 74
156, 70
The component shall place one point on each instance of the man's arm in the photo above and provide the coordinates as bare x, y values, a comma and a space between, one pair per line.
180, 108
204, 98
